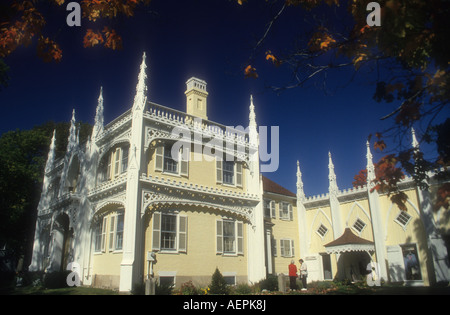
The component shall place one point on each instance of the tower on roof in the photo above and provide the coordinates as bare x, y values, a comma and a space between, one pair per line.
196, 98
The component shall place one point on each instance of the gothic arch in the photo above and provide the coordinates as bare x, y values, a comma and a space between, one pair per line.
388, 216
106, 206
352, 209
107, 148
313, 222
73, 173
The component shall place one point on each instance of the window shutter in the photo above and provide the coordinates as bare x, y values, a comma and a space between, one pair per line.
182, 233
184, 169
219, 170
282, 248
159, 158
280, 210
273, 212
108, 170
117, 162
156, 241
238, 174
240, 238
274, 246
219, 236
104, 233
291, 215
292, 248
112, 230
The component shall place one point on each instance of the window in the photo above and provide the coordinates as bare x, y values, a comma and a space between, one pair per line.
269, 208
119, 231
229, 172
124, 159
116, 231
322, 230
100, 236
166, 281
412, 263
230, 280
114, 164
165, 162
266, 208
229, 237
169, 232
170, 165
286, 211
287, 248
359, 225
403, 218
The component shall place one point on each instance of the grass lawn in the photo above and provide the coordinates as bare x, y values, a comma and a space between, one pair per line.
342, 290
30, 290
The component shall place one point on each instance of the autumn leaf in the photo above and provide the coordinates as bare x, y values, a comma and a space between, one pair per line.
360, 179
48, 50
92, 38
271, 57
250, 72
321, 40
112, 39
379, 145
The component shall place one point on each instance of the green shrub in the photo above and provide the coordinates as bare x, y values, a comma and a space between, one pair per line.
163, 289
218, 284
243, 289
56, 279
188, 288
270, 283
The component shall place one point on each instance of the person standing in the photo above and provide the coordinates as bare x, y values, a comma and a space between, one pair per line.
292, 275
303, 274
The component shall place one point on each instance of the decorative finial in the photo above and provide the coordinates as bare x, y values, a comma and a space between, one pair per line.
300, 191
415, 143
333, 188
141, 88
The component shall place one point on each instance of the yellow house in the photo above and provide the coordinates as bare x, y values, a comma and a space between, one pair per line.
172, 195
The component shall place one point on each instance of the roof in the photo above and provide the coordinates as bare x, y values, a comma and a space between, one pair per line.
349, 242
348, 238
271, 186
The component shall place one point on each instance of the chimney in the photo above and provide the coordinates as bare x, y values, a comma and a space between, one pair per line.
196, 98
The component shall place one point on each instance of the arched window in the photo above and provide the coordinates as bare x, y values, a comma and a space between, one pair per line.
113, 163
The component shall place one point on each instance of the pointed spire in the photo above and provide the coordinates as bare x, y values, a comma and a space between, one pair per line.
253, 133
252, 116
333, 188
141, 88
415, 143
99, 119
300, 191
51, 153
370, 166
72, 140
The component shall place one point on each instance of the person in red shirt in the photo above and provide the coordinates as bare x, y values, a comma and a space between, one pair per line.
292, 275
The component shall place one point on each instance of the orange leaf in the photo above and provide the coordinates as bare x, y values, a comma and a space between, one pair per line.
250, 72
92, 38
379, 145
271, 57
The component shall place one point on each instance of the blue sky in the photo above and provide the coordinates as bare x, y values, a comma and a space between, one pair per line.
211, 40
